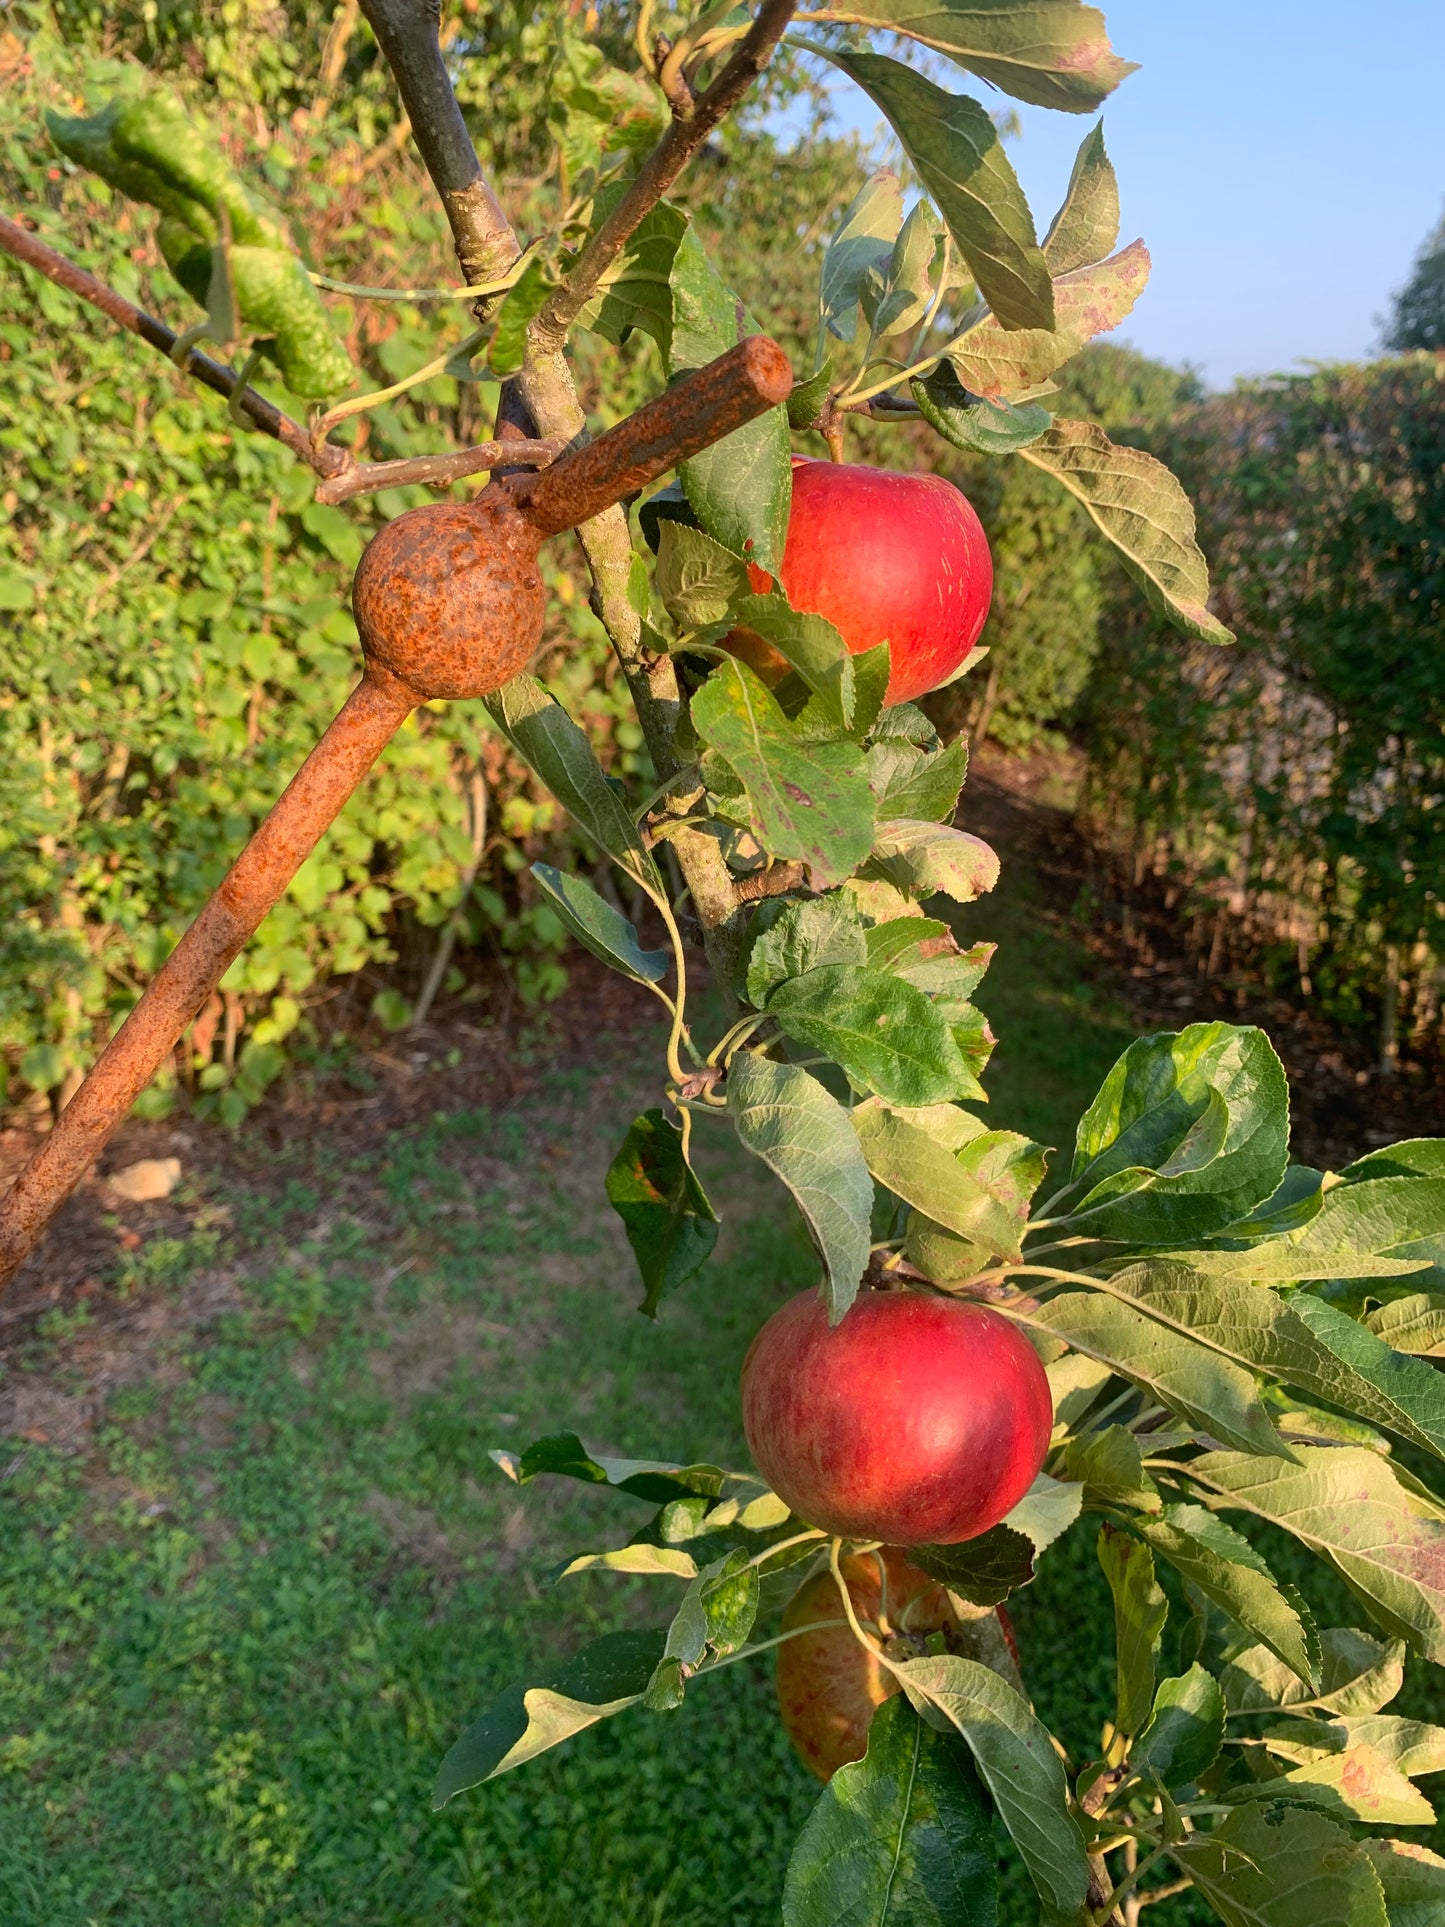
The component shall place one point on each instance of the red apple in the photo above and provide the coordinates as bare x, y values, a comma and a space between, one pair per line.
901, 559
917, 1420
829, 1686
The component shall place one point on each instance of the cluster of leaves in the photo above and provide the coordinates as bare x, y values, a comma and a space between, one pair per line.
1300, 779
1223, 1332
1218, 1348
1208, 1313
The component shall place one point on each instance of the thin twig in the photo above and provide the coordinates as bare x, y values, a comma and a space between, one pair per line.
29, 249
364, 477
661, 168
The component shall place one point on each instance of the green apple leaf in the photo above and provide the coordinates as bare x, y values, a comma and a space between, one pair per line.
808, 644
1005, 364
984, 1570
1016, 1759
563, 1455
1075, 1383
1278, 1865
598, 927
716, 1614
1110, 1467
809, 801
1047, 1510
1347, 1504
523, 300
1140, 1614
959, 156
1185, 1730
604, 1678
1356, 1676
698, 579
900, 1838
944, 970
978, 424
1086, 227
551, 744
805, 404
1412, 1879
1136, 504
1310, 1344
669, 1223
864, 242
896, 295
896, 943
929, 859
1189, 1130
914, 783
791, 938
1051, 53
1413, 1324
1357, 1785
641, 1560
886, 1034
1210, 1393
927, 1175
1225, 1567
1369, 1227
1411, 1745
741, 488
636, 292
805, 1137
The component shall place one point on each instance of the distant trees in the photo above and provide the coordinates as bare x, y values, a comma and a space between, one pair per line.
1418, 316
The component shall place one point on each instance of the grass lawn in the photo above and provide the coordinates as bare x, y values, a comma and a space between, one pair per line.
241, 1626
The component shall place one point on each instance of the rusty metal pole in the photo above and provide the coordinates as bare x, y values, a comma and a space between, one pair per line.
449, 604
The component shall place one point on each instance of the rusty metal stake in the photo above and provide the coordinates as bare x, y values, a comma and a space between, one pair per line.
449, 603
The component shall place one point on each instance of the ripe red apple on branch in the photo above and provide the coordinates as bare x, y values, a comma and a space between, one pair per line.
886, 557
917, 1420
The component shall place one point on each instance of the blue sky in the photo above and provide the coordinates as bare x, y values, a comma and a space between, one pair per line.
1282, 158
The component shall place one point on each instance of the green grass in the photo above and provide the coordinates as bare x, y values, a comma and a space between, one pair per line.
237, 1636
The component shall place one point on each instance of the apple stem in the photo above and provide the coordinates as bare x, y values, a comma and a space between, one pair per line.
885, 1631
862, 1638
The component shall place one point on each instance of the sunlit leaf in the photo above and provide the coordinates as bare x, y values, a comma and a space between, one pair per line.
604, 1678
960, 158
1189, 1130
1138, 506
807, 800
884, 1033
786, 1118
1347, 1505
1086, 226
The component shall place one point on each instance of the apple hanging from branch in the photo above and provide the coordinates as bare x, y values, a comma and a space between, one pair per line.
917, 1420
886, 557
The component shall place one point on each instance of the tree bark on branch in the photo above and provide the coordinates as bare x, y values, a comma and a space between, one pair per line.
406, 32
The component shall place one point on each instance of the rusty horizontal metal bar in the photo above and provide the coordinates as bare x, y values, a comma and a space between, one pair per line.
449, 603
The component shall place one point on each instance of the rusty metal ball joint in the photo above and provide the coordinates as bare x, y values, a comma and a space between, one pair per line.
449, 598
